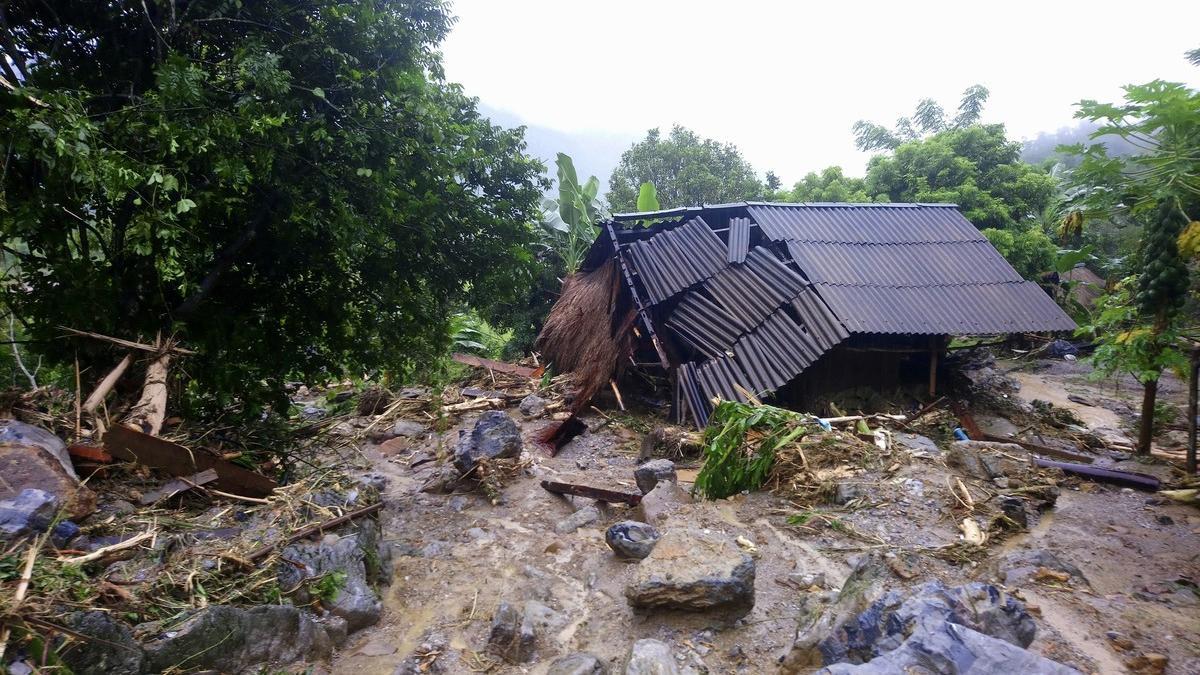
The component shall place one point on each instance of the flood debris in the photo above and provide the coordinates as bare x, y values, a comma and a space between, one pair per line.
599, 494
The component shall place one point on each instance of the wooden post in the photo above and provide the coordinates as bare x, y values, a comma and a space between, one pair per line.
934, 347
1194, 371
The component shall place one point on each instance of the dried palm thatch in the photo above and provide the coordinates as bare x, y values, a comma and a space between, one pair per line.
588, 330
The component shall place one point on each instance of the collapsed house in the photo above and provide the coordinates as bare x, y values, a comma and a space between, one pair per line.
787, 301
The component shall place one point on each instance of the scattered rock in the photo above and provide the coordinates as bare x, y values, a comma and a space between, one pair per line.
917, 445
665, 499
1060, 348
1019, 567
29, 512
651, 657
581, 663
360, 556
532, 405
695, 571
495, 436
512, 638
976, 458
631, 539
1013, 508
443, 479
847, 492
585, 516
408, 429
649, 474
1150, 663
112, 652
20, 433
232, 639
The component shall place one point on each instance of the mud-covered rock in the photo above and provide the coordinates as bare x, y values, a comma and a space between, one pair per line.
665, 499
1019, 567
113, 651
512, 638
532, 405
982, 459
694, 571
651, 657
631, 539
581, 663
31, 457
494, 436
581, 518
360, 561
232, 640
651, 473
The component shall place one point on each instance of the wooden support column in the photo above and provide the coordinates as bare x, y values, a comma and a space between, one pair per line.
934, 347
1193, 372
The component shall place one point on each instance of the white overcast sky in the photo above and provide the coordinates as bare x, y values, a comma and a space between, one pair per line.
785, 80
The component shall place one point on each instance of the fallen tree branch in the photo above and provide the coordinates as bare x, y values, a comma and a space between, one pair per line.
151, 409
264, 551
128, 343
105, 550
106, 385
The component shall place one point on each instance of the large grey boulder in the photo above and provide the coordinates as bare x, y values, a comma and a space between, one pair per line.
933, 627
31, 457
113, 651
494, 436
20, 433
512, 637
232, 639
361, 556
694, 571
952, 649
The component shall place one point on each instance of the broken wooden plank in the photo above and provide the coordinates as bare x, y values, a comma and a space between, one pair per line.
498, 366
178, 485
1139, 481
131, 445
599, 494
1042, 449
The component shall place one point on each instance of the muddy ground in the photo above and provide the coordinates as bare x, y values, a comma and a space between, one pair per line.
458, 556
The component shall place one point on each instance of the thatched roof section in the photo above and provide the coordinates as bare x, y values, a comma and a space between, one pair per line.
586, 333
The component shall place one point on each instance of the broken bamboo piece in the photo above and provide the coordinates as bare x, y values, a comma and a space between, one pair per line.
178, 486
103, 551
106, 385
264, 551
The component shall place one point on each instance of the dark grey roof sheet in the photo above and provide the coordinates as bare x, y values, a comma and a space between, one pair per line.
979, 309
913, 264
739, 239
672, 261
864, 223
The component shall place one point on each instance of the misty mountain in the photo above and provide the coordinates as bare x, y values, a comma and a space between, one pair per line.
1041, 148
595, 153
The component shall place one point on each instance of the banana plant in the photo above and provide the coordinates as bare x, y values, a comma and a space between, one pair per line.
570, 221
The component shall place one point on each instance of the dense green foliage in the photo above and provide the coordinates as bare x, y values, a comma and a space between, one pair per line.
928, 118
1028, 249
831, 185
570, 222
977, 168
290, 186
686, 170
731, 464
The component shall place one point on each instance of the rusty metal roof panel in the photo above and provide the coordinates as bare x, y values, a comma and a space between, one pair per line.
864, 223
981, 309
739, 240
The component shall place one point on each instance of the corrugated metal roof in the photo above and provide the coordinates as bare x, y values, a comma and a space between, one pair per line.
898, 265
706, 326
739, 239
979, 309
864, 223
676, 259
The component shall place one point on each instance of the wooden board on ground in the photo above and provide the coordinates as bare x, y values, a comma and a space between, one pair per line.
178, 485
498, 366
131, 445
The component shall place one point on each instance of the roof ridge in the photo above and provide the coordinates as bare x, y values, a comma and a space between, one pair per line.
845, 284
940, 242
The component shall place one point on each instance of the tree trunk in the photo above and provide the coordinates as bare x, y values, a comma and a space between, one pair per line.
1146, 434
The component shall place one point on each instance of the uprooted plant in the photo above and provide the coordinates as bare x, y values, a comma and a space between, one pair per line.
740, 444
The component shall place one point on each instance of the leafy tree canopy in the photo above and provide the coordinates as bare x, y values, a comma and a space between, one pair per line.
831, 185
928, 118
290, 185
976, 167
686, 170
